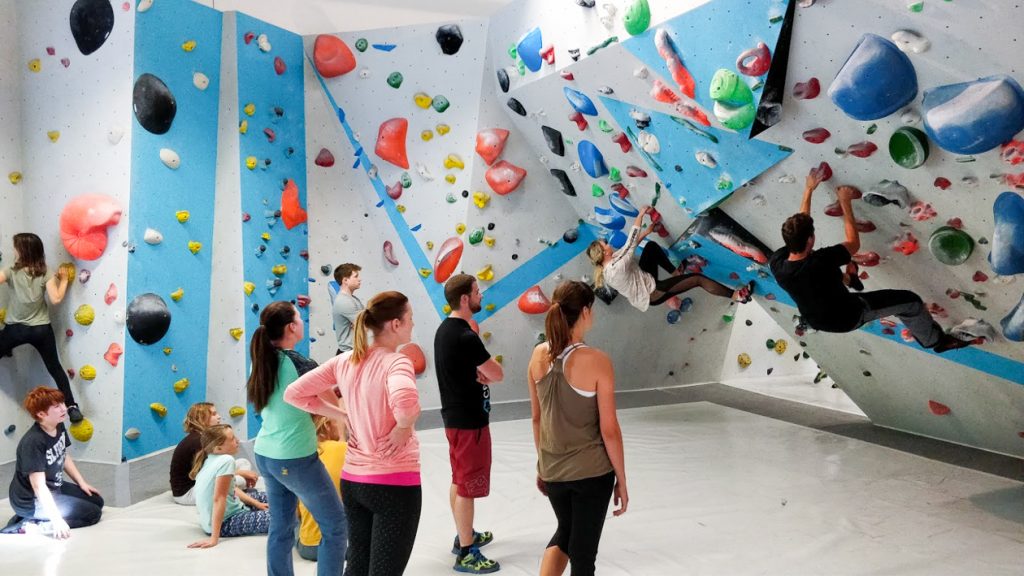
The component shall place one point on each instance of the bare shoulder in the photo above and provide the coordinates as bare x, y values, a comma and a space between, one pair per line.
593, 357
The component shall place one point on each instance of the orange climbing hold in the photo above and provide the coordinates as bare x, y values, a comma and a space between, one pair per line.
533, 301
292, 213
447, 260
113, 354
391, 142
667, 50
662, 93
84, 222
490, 142
938, 408
332, 57
504, 177
415, 353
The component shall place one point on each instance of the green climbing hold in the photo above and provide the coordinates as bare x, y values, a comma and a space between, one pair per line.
521, 67
362, 44
950, 245
440, 103
395, 79
476, 236
769, 344
450, 198
724, 183
637, 17
614, 174
908, 147
597, 191
605, 44
513, 53
872, 129
406, 180
916, 5
604, 126
734, 101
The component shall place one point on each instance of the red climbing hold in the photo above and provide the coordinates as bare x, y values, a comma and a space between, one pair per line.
862, 149
823, 172
635, 172
864, 226
942, 183
547, 54
1012, 152
680, 75
980, 276
921, 211
906, 243
395, 191
937, 311
391, 142
302, 300
533, 301
755, 61
389, 252
111, 294
834, 209
662, 93
332, 57
504, 177
867, 259
324, 159
807, 90
938, 408
490, 142
448, 256
113, 354
1014, 180
955, 223
270, 134
580, 121
566, 75
623, 142
292, 213
623, 192
692, 112
248, 37
415, 354
734, 276
279, 65
816, 135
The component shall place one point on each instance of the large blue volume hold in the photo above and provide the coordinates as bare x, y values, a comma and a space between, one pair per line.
973, 117
580, 102
529, 49
876, 80
591, 159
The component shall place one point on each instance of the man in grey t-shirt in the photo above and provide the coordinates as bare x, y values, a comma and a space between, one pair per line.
346, 305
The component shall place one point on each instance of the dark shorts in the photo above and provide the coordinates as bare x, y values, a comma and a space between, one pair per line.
470, 455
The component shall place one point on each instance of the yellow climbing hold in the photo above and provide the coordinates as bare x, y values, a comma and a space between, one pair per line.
460, 228
400, 208
489, 241
180, 385
168, 350
499, 359
279, 270
454, 161
743, 360
87, 372
14, 177
189, 46
425, 272
34, 65
82, 431
481, 199
53, 135
450, 178
249, 109
489, 307
422, 100
248, 288
486, 273
194, 247
265, 236
243, 126
182, 216
430, 245
426, 135
85, 315
3, 315
178, 294
486, 336
236, 411
780, 346
443, 129
236, 333
446, 309
250, 162
159, 408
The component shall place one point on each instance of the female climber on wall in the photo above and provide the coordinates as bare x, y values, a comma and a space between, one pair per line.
637, 279
286, 446
28, 318
580, 460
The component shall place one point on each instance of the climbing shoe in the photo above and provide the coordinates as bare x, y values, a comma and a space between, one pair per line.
480, 539
948, 342
74, 414
745, 293
475, 563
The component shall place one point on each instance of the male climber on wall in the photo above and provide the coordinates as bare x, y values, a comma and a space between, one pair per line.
815, 282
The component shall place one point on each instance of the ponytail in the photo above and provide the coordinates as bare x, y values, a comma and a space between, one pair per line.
595, 252
567, 305
556, 330
210, 439
360, 340
380, 310
263, 376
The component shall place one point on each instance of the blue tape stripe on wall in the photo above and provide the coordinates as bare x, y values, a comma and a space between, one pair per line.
501, 293
261, 188
157, 194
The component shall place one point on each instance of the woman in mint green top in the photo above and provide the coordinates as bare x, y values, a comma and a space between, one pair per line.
286, 446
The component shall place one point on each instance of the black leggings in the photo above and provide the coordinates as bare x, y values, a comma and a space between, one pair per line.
382, 524
76, 507
653, 257
580, 507
41, 338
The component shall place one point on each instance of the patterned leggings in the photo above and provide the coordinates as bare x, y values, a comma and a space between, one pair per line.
382, 525
249, 522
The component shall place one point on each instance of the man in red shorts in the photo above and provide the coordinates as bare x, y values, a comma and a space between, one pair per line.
464, 370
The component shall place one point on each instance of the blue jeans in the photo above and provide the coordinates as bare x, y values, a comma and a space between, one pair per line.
304, 478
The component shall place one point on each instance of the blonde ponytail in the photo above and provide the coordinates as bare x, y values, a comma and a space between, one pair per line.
595, 252
359, 337
210, 439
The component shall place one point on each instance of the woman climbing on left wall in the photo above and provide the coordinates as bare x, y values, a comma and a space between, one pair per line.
28, 317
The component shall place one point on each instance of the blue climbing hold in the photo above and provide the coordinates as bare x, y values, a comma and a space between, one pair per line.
617, 239
580, 102
673, 316
384, 47
529, 49
622, 206
876, 80
972, 117
591, 159
686, 304
609, 219
1007, 255
1013, 324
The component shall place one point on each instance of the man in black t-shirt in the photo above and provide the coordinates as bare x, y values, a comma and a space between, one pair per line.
814, 280
464, 370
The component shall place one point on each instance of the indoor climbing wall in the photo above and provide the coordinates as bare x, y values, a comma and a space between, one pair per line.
74, 89
174, 163
760, 348
272, 151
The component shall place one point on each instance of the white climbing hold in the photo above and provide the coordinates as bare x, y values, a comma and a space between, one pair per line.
263, 42
364, 73
170, 158
973, 329
759, 200
320, 331
153, 237
910, 42
144, 5
606, 90
706, 159
132, 433
649, 142
787, 179
424, 172
576, 167
910, 116
641, 72
115, 134
200, 80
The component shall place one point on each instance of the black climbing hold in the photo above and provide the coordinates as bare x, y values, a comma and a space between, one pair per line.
571, 235
516, 106
10, 429
255, 307
606, 294
679, 168
574, 53
490, 225
153, 103
563, 179
148, 318
867, 374
503, 79
806, 355
586, 3
554, 140
515, 256
770, 370
465, 193
325, 269
449, 37
750, 323
91, 23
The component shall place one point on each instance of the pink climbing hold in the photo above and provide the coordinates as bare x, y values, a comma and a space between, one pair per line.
490, 142
816, 135
623, 193
942, 183
955, 223
867, 259
389, 253
504, 177
823, 172
111, 294
980, 276
566, 75
547, 54
302, 300
579, 119
834, 209
279, 66
391, 142
1012, 152
533, 301
807, 90
938, 408
921, 211
395, 191
83, 224
906, 243
623, 141
662, 93
1015, 181
691, 112
635, 172
864, 226
113, 354
680, 75
755, 61
862, 149
270, 134
324, 159
332, 57
292, 213
937, 311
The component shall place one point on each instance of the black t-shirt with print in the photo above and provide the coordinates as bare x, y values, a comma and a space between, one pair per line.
816, 285
38, 452
458, 351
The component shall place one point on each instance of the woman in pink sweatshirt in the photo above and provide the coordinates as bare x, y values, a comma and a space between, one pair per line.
380, 481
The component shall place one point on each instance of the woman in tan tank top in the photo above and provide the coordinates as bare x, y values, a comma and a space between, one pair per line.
580, 462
